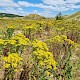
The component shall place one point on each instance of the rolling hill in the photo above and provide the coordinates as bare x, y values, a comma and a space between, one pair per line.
2, 15
33, 17
75, 16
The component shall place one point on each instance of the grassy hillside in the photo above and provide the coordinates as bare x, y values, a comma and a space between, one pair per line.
8, 15
75, 15
33, 16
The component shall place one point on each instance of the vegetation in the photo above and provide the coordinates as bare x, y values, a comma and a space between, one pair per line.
2, 15
75, 16
43, 49
59, 16
34, 17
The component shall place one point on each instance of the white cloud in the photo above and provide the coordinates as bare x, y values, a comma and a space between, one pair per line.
60, 2
43, 6
27, 4
62, 5
35, 11
8, 3
9, 6
55, 5
10, 10
53, 2
5, 0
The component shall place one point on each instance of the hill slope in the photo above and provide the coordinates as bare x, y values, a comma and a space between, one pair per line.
75, 16
33, 16
8, 15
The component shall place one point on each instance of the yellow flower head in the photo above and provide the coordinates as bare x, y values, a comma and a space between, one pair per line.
11, 41
40, 45
21, 40
10, 27
13, 60
1, 41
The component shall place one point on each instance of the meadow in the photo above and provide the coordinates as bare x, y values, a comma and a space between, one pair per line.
45, 49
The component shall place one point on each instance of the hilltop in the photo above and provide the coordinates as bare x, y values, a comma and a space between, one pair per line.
34, 17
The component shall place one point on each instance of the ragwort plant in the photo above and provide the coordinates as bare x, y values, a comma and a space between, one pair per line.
62, 49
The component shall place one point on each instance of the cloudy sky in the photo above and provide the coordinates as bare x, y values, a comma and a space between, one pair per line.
48, 8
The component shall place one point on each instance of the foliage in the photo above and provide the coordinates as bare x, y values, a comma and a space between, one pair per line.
11, 64
59, 16
8, 15
39, 49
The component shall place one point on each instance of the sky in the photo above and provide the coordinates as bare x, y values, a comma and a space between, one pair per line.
47, 8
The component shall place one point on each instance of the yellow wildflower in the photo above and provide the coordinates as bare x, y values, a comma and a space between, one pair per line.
16, 70
40, 45
13, 59
10, 27
6, 65
10, 42
1, 41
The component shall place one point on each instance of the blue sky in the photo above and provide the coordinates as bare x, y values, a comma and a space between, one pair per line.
47, 8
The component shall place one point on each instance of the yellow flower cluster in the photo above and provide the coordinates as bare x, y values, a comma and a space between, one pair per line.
72, 43
40, 45
61, 39
28, 27
17, 40
33, 26
12, 60
10, 27
41, 53
1, 41
47, 73
60, 29
57, 39
21, 40
44, 57
11, 41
